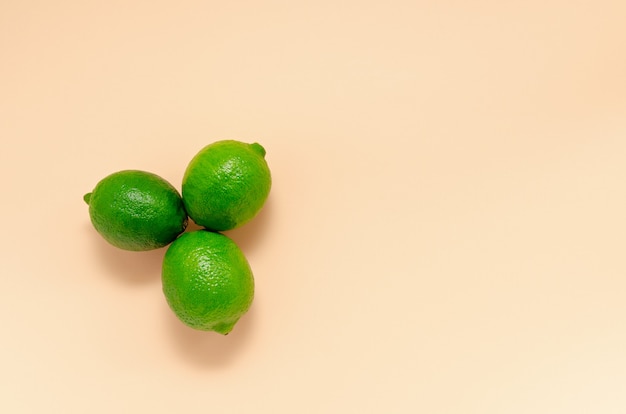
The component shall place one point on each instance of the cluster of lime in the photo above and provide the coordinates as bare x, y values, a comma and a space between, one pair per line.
206, 278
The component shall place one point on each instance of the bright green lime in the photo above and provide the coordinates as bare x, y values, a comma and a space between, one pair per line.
136, 210
207, 281
226, 184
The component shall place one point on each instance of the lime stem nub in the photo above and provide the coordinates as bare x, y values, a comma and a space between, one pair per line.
224, 328
87, 197
258, 148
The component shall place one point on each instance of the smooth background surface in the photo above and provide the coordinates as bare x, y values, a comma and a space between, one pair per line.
445, 234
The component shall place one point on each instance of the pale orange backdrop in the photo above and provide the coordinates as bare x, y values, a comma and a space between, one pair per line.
445, 233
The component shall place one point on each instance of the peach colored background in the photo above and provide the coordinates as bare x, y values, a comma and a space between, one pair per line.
445, 234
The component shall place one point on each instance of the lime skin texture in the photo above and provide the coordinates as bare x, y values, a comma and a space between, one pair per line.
136, 210
207, 281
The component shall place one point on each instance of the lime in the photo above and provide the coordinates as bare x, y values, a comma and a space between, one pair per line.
136, 210
226, 184
207, 281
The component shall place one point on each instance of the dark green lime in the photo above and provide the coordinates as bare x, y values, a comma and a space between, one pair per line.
136, 210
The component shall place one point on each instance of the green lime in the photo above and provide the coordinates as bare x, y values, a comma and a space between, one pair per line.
207, 281
136, 210
226, 184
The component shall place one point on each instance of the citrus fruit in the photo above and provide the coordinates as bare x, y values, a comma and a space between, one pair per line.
136, 210
207, 281
226, 184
